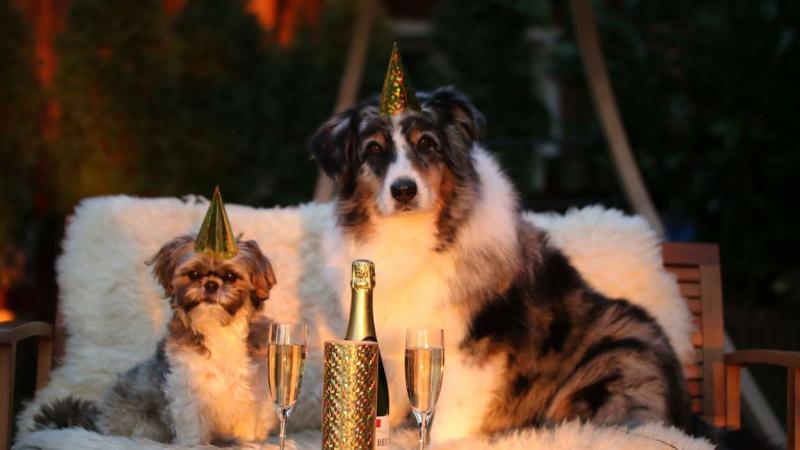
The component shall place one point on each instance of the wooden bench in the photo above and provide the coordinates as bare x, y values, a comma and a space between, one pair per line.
713, 378
696, 267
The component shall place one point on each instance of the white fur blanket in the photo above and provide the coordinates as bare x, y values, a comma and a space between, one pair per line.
115, 312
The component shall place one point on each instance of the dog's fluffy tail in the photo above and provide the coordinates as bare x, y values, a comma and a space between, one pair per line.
69, 412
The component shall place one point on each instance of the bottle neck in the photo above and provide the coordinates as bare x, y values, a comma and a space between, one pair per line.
361, 325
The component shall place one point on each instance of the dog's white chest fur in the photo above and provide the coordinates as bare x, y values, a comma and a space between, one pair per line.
413, 289
219, 394
417, 286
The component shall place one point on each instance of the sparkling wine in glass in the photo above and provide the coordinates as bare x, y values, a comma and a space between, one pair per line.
424, 371
286, 358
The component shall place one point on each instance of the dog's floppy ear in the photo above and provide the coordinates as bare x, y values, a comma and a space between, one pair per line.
332, 143
464, 124
166, 260
261, 273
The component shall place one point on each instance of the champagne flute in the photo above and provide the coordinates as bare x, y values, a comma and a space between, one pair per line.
424, 371
286, 358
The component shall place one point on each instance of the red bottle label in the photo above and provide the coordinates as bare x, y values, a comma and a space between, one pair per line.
382, 432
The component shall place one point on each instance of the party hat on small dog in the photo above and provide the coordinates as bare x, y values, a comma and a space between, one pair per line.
215, 238
397, 94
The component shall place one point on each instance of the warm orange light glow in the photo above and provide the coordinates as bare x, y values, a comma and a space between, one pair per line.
47, 20
6, 315
266, 11
283, 18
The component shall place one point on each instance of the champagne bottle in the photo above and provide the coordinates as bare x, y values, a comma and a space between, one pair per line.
361, 327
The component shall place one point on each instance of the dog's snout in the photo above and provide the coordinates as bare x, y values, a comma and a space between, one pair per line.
404, 189
211, 286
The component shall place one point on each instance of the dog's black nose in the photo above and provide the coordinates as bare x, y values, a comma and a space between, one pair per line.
404, 190
211, 286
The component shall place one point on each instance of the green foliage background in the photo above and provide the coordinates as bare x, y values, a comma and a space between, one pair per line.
709, 97
482, 48
154, 105
20, 145
113, 85
159, 107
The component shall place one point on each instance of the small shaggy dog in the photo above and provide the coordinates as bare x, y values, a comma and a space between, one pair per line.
528, 341
203, 384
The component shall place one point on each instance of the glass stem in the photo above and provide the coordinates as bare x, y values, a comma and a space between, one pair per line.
423, 427
283, 427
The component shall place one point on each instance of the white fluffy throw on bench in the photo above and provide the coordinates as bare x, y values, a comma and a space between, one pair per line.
115, 312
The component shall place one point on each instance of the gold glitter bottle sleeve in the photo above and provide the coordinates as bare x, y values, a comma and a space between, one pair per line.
349, 395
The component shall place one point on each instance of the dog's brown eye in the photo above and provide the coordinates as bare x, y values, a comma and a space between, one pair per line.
230, 277
425, 143
374, 149
193, 275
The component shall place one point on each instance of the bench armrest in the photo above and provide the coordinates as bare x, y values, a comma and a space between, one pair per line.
17, 330
10, 334
791, 361
771, 357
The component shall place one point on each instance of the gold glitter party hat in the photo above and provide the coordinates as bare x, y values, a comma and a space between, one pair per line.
215, 238
397, 94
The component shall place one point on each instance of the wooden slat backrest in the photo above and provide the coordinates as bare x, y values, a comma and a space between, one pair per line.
696, 267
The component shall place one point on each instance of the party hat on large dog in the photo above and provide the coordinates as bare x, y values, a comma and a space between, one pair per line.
397, 94
215, 238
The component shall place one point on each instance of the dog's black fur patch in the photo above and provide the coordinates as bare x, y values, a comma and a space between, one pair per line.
596, 394
68, 412
570, 349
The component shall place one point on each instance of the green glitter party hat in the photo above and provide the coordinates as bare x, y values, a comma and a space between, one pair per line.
397, 94
215, 238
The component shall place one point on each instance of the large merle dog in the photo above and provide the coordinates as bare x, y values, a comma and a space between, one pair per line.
528, 341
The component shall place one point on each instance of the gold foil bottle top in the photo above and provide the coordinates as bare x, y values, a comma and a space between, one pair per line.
363, 274
215, 238
397, 94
